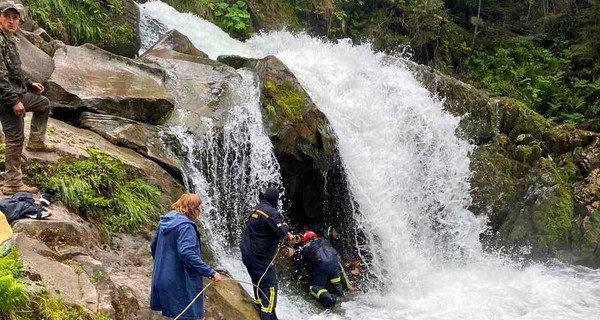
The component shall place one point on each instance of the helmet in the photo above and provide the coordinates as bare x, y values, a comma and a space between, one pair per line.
308, 235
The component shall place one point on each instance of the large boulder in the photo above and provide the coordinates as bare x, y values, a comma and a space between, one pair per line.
127, 46
533, 179
61, 280
145, 139
63, 228
272, 15
89, 78
201, 87
302, 139
36, 64
174, 42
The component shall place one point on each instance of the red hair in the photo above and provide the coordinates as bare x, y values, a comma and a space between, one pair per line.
188, 205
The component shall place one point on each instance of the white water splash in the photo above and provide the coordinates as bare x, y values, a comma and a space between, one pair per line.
409, 174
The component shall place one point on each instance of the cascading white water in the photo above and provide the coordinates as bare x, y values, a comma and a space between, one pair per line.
409, 174
230, 167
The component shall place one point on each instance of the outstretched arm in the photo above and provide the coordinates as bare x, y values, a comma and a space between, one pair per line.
187, 242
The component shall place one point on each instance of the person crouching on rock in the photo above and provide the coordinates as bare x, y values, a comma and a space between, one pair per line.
18, 95
178, 271
323, 264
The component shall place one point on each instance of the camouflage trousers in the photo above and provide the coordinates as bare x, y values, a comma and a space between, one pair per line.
14, 134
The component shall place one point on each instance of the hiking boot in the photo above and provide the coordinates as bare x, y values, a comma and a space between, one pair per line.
39, 146
8, 190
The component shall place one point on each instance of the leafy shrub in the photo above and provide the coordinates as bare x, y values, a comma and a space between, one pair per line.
231, 16
13, 293
537, 77
81, 21
102, 189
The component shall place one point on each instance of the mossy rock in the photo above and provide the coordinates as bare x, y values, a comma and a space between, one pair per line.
272, 15
585, 239
544, 220
302, 139
527, 154
496, 182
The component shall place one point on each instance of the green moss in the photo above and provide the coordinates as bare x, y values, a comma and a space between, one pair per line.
527, 154
568, 170
285, 100
518, 119
102, 189
585, 236
554, 214
495, 182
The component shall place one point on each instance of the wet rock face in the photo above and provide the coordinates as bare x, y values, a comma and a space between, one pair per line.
302, 139
201, 87
145, 139
536, 181
89, 78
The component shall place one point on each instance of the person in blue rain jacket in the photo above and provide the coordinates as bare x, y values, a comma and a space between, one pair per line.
178, 271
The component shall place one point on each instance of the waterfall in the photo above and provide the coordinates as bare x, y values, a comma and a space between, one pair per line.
229, 167
409, 174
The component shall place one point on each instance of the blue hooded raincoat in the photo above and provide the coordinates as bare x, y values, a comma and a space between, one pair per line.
178, 268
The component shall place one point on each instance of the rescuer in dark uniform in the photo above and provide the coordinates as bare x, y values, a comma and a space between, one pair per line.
323, 264
264, 231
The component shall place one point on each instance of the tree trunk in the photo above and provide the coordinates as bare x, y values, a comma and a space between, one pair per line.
476, 24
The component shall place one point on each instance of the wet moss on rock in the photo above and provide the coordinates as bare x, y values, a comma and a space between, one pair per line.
284, 101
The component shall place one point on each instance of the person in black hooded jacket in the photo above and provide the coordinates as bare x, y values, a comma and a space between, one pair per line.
264, 230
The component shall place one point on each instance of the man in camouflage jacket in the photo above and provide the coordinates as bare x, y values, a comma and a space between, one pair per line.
18, 95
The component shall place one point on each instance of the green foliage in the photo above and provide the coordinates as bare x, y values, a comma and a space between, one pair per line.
82, 21
53, 309
231, 16
234, 18
13, 293
547, 57
537, 77
16, 303
102, 189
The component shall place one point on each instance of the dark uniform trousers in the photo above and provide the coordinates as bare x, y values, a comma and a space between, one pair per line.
325, 279
265, 289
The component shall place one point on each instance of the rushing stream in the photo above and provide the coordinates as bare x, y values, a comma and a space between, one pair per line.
407, 170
